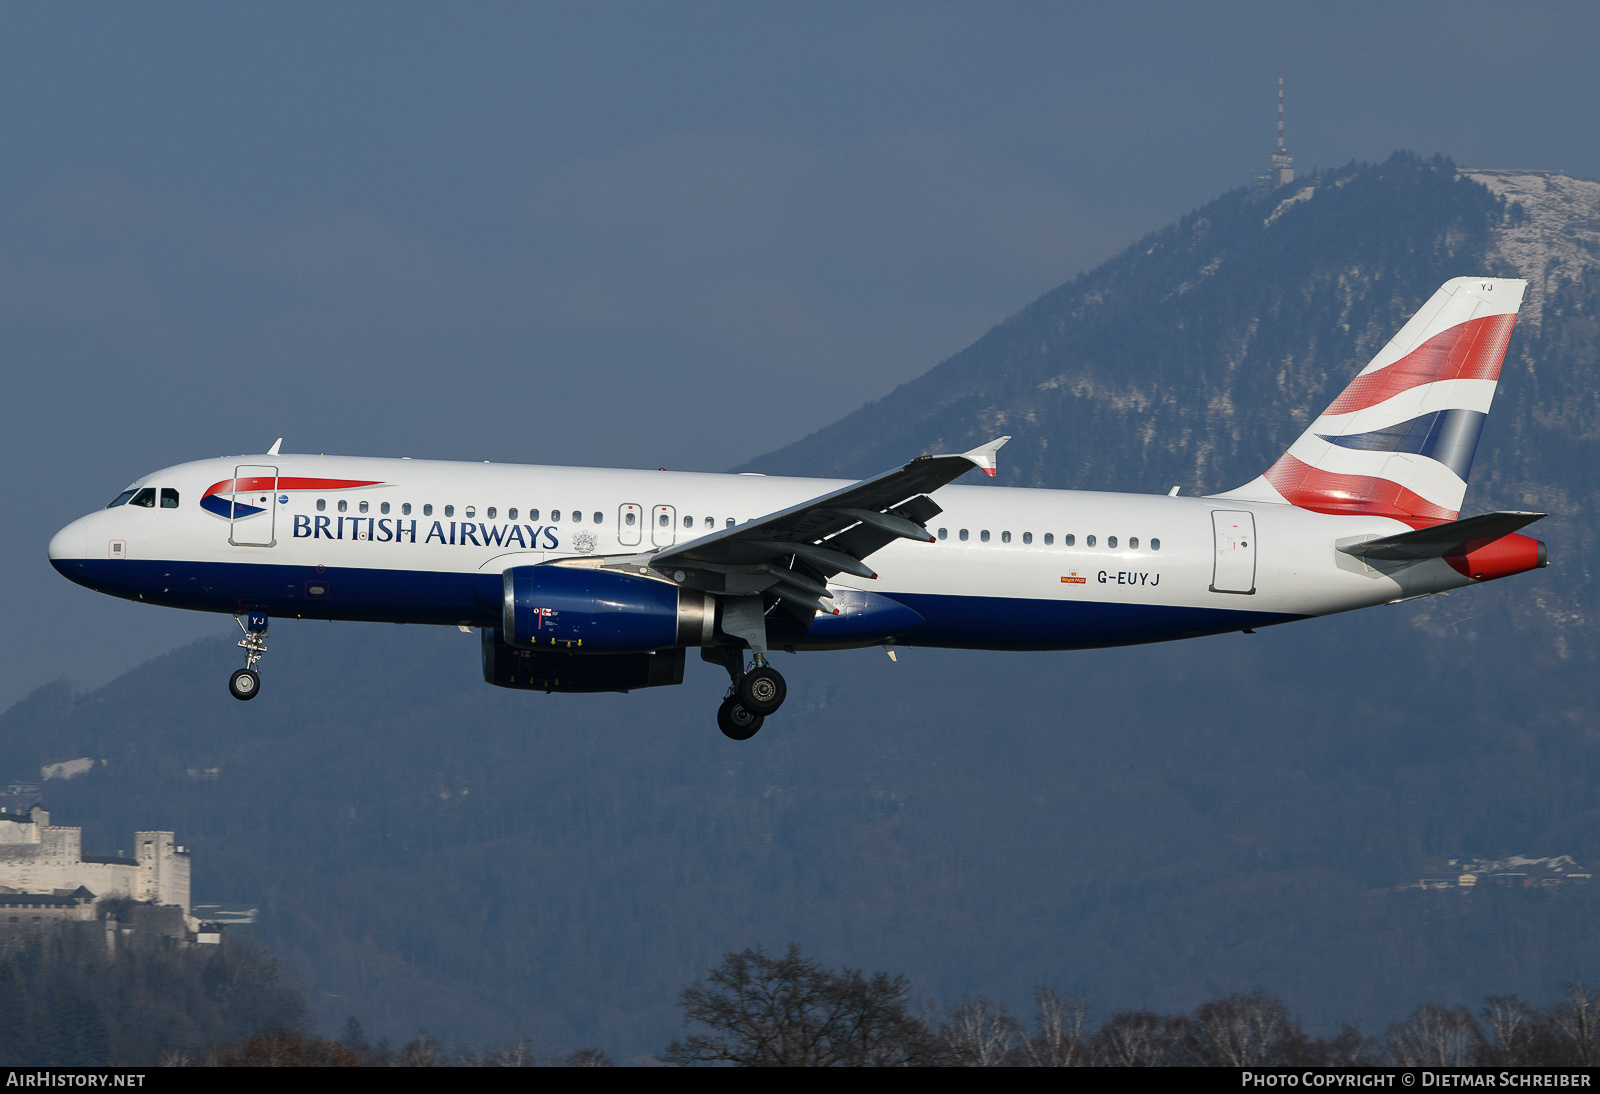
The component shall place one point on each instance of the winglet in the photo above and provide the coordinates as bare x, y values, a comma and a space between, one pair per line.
983, 456
273, 451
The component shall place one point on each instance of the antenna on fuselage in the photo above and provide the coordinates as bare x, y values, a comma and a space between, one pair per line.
277, 444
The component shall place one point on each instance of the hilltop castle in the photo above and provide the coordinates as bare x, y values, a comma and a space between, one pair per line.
44, 874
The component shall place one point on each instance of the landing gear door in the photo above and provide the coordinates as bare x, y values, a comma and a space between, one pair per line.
252, 520
663, 525
630, 525
1234, 570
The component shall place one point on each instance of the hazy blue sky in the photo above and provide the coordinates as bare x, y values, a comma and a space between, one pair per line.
635, 234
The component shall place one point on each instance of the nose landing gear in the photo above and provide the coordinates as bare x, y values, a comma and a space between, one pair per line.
245, 683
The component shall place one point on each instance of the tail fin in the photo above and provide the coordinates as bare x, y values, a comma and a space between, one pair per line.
1399, 440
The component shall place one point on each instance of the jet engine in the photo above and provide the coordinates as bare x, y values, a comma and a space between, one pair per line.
583, 610
540, 670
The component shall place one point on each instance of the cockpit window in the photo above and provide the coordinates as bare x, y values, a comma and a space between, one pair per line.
145, 497
121, 499
169, 498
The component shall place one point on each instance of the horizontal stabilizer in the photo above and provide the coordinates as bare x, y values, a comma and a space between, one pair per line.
1458, 537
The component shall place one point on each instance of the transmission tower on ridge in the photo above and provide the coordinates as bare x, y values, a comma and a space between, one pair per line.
1282, 163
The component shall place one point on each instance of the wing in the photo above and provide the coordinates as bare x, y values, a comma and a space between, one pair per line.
791, 554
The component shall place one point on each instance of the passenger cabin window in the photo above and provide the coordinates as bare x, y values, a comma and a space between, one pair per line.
121, 499
665, 520
1069, 540
1133, 543
383, 507
1111, 541
322, 503
555, 514
405, 508
962, 535
730, 522
1049, 538
577, 516
600, 518
449, 510
944, 533
511, 514
533, 514
984, 535
1005, 537
169, 498
145, 497
1027, 537
1155, 545
427, 510
628, 520
343, 505
362, 507
688, 522
1088, 541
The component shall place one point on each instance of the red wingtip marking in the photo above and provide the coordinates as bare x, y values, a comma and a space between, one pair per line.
990, 471
836, 611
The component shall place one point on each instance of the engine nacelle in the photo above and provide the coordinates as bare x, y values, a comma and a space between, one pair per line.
597, 611
541, 670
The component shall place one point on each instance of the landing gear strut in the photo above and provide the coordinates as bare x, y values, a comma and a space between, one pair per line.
246, 682
753, 694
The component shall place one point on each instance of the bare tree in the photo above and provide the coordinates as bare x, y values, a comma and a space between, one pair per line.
1575, 1023
1515, 1026
1242, 1030
585, 1057
1140, 1038
980, 1033
761, 1011
1436, 1036
424, 1051
1060, 1020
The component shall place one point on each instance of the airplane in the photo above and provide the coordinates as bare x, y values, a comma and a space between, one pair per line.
595, 579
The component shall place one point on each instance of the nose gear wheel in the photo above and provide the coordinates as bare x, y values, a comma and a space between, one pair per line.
244, 684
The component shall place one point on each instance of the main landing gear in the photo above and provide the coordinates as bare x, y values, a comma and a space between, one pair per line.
246, 682
753, 694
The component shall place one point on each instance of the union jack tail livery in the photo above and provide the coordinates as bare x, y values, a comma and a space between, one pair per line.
1398, 442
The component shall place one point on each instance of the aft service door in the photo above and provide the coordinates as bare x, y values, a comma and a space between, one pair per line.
253, 514
1235, 567
663, 525
630, 525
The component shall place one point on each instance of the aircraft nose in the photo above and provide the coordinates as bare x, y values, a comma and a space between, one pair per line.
69, 543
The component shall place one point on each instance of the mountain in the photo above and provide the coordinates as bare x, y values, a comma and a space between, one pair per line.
1150, 826
1200, 353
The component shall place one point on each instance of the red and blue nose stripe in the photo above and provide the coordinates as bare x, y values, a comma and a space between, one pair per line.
219, 498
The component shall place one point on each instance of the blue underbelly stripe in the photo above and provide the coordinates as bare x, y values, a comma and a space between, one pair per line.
426, 596
1006, 623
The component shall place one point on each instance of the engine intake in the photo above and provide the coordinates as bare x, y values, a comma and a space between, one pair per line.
597, 611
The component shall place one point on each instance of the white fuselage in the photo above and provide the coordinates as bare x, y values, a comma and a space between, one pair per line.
425, 541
